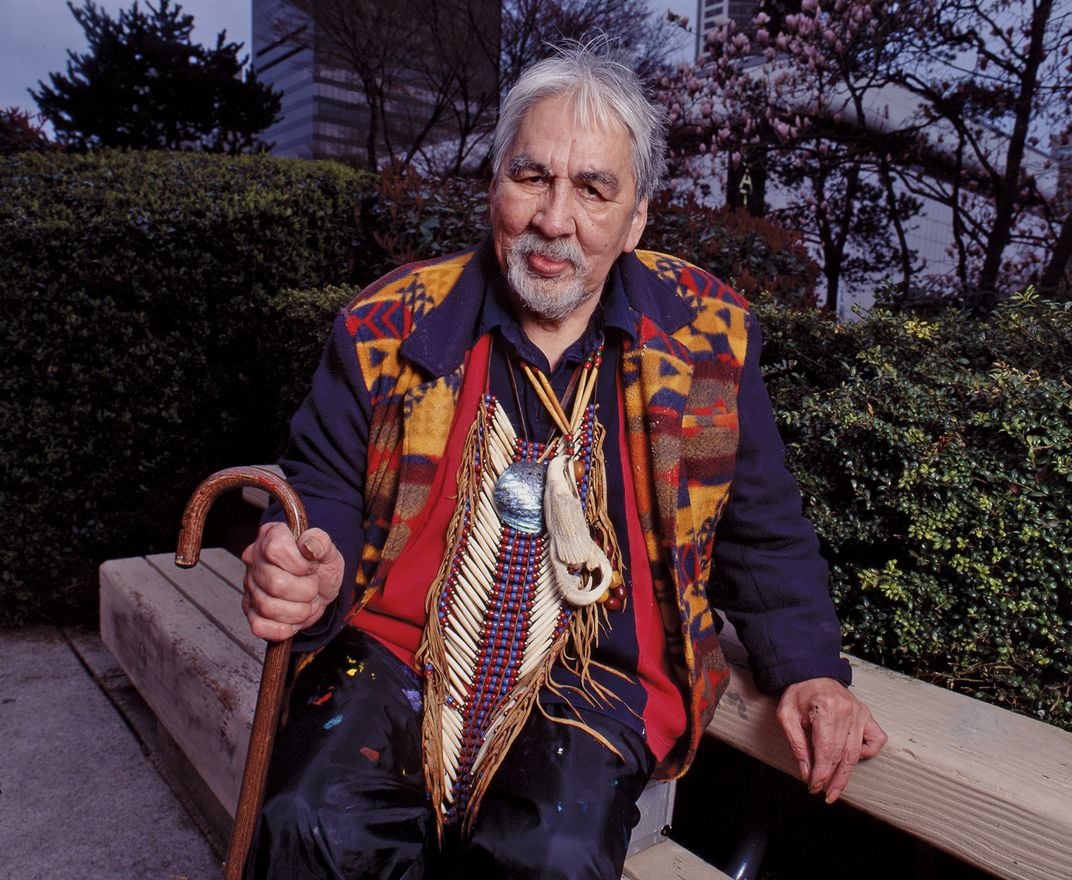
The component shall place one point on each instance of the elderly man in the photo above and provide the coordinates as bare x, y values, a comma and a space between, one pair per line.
531, 469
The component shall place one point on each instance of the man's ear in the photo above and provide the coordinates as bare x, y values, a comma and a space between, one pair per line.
636, 226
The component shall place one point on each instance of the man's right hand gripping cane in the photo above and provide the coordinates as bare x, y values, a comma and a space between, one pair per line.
289, 583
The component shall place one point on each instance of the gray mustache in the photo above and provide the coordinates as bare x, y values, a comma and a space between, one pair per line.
553, 249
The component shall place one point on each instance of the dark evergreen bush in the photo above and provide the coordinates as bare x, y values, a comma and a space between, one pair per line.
134, 344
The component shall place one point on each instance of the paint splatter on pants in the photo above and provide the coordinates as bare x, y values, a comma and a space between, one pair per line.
346, 798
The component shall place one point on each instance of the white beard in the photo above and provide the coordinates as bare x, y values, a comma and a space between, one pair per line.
549, 298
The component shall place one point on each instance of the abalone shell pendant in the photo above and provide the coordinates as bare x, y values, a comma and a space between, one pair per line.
518, 496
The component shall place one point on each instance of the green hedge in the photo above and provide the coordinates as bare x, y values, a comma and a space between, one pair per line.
134, 347
936, 460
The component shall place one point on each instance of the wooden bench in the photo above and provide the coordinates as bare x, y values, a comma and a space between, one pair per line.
991, 787
181, 638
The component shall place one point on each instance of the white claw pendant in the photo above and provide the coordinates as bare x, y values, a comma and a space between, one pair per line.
582, 570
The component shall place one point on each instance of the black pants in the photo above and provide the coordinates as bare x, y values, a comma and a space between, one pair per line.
346, 797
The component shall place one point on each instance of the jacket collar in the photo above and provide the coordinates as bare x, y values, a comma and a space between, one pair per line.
440, 341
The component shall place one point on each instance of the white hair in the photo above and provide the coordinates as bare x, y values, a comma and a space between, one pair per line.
605, 93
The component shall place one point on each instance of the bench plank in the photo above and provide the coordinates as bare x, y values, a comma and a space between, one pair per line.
989, 786
669, 861
202, 687
214, 585
226, 565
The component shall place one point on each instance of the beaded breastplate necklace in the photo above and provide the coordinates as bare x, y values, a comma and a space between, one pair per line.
531, 569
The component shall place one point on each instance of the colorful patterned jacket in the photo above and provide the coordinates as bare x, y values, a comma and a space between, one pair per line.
367, 442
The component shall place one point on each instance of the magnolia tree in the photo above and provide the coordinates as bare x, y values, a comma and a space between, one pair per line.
861, 109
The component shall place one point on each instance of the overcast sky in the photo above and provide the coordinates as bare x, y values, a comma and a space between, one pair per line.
36, 34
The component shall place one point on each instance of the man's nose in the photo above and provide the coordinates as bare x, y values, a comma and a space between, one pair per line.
554, 217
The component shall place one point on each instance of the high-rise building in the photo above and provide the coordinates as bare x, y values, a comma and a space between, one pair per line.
280, 60
324, 111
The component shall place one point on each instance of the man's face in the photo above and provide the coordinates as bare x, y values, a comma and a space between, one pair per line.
563, 208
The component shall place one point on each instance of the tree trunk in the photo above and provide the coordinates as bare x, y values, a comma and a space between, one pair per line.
837, 239
1009, 187
905, 256
373, 133
757, 201
1055, 283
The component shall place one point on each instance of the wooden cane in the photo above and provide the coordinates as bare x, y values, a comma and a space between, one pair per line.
274, 673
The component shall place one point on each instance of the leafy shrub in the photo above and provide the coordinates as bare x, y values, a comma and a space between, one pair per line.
936, 459
295, 327
752, 254
133, 344
417, 218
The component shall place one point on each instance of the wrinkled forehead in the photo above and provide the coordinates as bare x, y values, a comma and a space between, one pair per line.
568, 125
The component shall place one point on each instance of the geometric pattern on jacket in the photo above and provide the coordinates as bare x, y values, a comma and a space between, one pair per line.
680, 381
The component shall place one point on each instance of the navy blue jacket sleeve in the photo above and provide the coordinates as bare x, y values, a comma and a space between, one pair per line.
325, 463
767, 574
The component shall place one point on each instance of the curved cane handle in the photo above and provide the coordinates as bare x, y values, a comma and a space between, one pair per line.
188, 548
274, 673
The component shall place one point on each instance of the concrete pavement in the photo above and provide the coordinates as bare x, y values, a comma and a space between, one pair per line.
80, 798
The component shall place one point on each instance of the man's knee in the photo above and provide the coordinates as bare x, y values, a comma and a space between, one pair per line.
574, 849
346, 795
562, 805
357, 837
